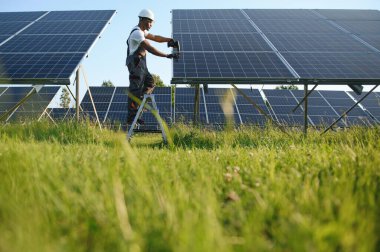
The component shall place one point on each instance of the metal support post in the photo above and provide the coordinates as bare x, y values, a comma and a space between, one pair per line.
299, 104
306, 122
196, 116
77, 96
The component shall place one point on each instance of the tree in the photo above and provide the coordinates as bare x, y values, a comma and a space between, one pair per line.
289, 87
107, 84
158, 81
65, 98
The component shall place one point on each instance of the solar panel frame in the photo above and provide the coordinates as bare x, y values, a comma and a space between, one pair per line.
309, 23
47, 68
212, 14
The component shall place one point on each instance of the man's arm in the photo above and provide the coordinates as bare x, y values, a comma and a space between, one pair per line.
158, 38
147, 46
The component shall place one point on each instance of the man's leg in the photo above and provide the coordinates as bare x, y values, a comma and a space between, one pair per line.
149, 84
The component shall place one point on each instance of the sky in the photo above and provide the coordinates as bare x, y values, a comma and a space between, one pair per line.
106, 60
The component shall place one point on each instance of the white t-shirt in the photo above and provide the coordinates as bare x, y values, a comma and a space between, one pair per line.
136, 38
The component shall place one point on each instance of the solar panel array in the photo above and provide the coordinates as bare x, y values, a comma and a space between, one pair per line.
46, 47
273, 46
371, 104
111, 104
33, 108
324, 107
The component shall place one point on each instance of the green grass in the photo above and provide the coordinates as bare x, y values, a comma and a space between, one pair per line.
73, 187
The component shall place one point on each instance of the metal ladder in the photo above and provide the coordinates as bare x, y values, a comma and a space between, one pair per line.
154, 110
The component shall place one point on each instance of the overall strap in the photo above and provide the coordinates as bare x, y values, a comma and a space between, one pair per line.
128, 39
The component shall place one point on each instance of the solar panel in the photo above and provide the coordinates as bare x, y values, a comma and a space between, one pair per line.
20, 16
340, 101
86, 15
296, 26
11, 96
207, 14
222, 42
371, 103
335, 65
51, 48
248, 113
350, 14
212, 26
102, 97
294, 46
230, 65
215, 99
361, 27
184, 106
280, 14
282, 103
10, 28
311, 42
60, 114
35, 106
65, 27
373, 40
19, 67
49, 43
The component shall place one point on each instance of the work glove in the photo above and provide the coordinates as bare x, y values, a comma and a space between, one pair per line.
172, 56
173, 43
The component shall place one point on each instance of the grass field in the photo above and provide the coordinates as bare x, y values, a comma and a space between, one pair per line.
75, 188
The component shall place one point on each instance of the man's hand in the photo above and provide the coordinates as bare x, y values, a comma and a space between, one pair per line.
173, 43
172, 56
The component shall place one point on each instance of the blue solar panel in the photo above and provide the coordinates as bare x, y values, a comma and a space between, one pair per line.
38, 66
207, 14
10, 28
50, 49
3, 38
373, 40
87, 15
341, 102
361, 27
60, 113
102, 97
230, 65
11, 96
36, 105
244, 42
335, 65
350, 14
184, 106
216, 99
296, 26
311, 42
248, 113
212, 26
282, 103
280, 14
48, 43
20, 16
65, 27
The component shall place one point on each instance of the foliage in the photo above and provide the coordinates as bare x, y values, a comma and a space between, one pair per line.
107, 84
65, 98
72, 187
158, 81
288, 87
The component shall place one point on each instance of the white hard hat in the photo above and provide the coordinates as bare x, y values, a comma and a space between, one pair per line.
145, 13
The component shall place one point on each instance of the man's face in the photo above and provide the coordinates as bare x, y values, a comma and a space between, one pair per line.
148, 23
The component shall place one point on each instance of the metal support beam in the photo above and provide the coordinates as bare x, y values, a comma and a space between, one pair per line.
196, 117
346, 112
299, 104
5, 116
77, 96
250, 100
306, 122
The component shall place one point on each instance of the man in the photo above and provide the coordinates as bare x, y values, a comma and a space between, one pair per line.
140, 80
